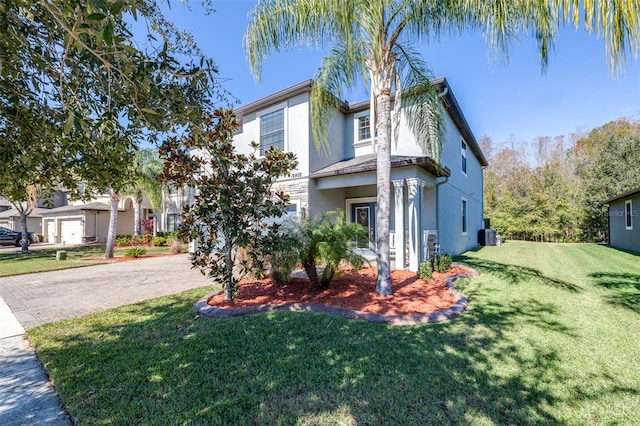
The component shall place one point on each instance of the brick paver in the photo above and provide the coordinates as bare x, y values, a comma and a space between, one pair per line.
45, 297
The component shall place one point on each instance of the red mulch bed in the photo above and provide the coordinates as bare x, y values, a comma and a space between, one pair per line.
118, 259
352, 290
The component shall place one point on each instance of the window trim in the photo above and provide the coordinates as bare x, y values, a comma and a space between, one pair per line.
628, 215
281, 106
356, 134
463, 157
464, 215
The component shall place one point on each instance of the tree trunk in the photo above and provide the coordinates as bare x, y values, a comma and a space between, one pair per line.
229, 284
113, 224
137, 210
383, 157
24, 243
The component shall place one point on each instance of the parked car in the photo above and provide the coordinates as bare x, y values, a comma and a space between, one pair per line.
9, 237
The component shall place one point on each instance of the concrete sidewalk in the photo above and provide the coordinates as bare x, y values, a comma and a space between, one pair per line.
26, 395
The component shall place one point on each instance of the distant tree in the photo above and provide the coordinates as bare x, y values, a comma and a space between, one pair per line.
233, 200
608, 159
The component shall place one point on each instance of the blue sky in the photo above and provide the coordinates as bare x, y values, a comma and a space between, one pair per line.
513, 101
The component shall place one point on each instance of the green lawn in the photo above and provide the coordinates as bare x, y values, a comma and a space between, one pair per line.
552, 336
41, 260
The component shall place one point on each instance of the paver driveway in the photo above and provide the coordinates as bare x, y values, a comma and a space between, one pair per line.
45, 297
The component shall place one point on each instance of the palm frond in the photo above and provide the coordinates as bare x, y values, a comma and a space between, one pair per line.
419, 101
343, 66
276, 25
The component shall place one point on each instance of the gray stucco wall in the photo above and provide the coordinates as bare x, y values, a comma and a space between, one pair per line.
619, 235
459, 186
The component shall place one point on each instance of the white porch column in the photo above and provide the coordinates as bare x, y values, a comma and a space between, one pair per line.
398, 186
415, 191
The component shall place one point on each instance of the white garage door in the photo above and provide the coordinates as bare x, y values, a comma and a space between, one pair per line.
71, 231
51, 230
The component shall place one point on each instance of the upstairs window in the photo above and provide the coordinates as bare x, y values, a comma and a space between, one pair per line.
463, 152
272, 131
364, 129
628, 214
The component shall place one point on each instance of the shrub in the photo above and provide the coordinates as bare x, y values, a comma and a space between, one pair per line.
282, 254
147, 225
158, 241
135, 252
146, 239
445, 262
425, 270
330, 243
441, 263
123, 239
176, 246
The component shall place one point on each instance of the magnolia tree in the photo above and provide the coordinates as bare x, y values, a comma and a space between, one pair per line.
234, 197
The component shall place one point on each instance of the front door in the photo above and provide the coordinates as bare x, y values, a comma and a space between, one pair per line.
365, 214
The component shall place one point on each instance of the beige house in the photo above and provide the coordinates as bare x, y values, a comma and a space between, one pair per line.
81, 223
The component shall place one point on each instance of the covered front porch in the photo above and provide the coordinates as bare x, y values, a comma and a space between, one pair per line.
351, 185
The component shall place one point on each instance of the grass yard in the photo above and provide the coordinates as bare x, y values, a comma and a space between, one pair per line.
41, 260
552, 336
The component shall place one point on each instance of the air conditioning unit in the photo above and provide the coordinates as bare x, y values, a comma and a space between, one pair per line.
487, 237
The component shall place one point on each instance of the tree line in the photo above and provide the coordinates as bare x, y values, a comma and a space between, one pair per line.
552, 189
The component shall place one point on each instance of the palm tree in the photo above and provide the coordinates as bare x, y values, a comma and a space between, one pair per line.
374, 39
148, 167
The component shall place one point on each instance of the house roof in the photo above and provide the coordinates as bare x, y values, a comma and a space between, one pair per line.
12, 212
94, 206
367, 163
626, 194
449, 100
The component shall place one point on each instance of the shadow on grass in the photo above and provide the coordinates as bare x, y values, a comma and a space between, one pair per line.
624, 289
514, 274
153, 362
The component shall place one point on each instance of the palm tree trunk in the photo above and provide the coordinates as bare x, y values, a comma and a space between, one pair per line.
383, 156
113, 223
137, 214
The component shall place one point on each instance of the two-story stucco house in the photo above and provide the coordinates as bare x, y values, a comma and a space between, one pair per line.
435, 207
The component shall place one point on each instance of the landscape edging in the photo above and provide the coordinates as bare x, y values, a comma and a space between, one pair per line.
202, 307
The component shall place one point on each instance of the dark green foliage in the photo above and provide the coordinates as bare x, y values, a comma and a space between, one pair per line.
552, 190
424, 271
135, 252
329, 239
124, 239
78, 94
608, 159
441, 263
233, 200
281, 252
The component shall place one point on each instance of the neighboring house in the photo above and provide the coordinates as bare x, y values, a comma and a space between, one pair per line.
11, 219
624, 221
87, 222
434, 206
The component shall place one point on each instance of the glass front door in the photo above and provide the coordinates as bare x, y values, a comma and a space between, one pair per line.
365, 214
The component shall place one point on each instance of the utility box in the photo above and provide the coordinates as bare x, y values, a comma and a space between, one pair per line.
61, 255
487, 237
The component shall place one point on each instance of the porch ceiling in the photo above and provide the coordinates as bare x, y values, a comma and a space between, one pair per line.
366, 163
